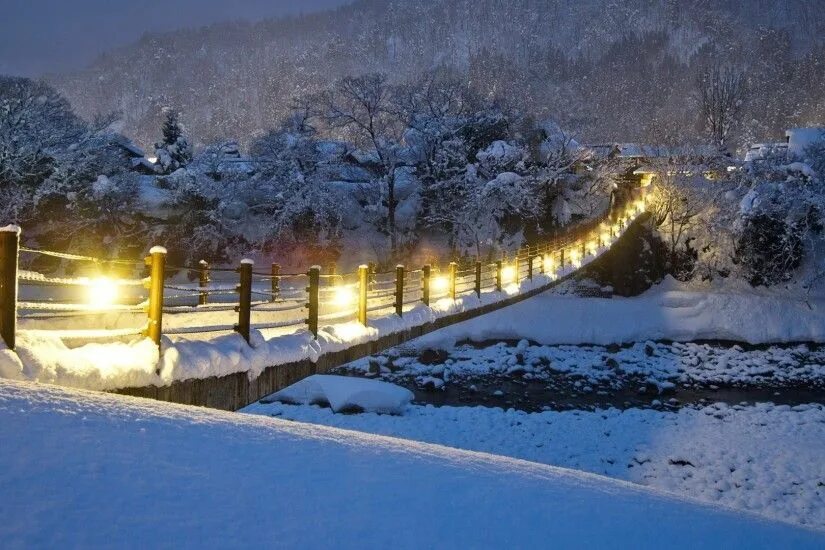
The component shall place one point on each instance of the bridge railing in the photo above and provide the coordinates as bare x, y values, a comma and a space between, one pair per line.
244, 298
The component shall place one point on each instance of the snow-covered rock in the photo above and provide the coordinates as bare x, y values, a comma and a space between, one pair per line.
347, 393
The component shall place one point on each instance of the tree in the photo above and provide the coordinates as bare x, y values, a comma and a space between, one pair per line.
363, 106
174, 151
37, 125
722, 93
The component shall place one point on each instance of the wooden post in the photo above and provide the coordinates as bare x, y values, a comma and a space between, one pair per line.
516, 267
333, 271
275, 282
203, 282
530, 268
584, 249
9, 252
399, 290
478, 279
363, 283
314, 275
561, 259
371, 266
425, 284
542, 261
157, 264
244, 289
453, 269
499, 275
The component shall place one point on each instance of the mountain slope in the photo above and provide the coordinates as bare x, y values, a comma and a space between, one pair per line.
606, 69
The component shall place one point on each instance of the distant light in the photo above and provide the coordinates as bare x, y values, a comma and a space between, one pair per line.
101, 292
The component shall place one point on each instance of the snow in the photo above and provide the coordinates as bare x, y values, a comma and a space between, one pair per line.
157, 250
612, 368
799, 139
762, 458
668, 311
10, 229
346, 393
91, 470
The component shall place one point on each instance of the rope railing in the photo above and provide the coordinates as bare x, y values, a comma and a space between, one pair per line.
280, 296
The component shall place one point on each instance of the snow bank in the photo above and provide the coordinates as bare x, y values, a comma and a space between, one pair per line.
763, 458
669, 311
346, 393
83, 469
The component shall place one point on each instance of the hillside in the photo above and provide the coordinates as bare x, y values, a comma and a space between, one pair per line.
607, 70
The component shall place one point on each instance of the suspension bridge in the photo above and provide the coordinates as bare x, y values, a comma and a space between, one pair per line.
204, 303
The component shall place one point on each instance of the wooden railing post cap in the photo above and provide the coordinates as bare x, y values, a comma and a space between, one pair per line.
11, 229
247, 261
203, 263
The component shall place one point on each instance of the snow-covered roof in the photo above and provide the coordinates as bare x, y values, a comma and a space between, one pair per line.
799, 139
128, 145
759, 151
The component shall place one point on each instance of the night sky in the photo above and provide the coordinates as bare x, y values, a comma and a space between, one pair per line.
40, 36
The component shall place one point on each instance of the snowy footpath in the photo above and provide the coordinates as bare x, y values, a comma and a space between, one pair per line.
82, 469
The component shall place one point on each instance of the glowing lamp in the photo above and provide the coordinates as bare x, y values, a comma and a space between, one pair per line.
440, 284
592, 247
343, 296
508, 274
575, 258
101, 292
549, 265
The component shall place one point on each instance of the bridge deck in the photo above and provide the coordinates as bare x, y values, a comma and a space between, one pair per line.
235, 391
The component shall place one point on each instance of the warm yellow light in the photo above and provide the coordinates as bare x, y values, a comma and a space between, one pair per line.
640, 206
549, 264
101, 292
440, 284
606, 238
575, 258
344, 296
508, 274
592, 247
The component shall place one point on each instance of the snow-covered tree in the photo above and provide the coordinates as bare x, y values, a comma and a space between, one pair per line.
173, 151
363, 107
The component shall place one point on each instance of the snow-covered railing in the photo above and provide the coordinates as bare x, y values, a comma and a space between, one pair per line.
270, 300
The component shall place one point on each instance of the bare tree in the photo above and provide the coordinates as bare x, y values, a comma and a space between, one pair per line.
722, 92
363, 106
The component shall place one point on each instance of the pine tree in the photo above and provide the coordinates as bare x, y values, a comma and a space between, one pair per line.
174, 151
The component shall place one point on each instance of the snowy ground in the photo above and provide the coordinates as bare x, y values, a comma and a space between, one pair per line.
764, 458
80, 469
723, 310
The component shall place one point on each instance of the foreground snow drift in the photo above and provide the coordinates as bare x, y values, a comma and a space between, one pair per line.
763, 458
85, 469
346, 393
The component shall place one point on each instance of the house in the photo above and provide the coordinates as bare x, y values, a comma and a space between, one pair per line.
133, 154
